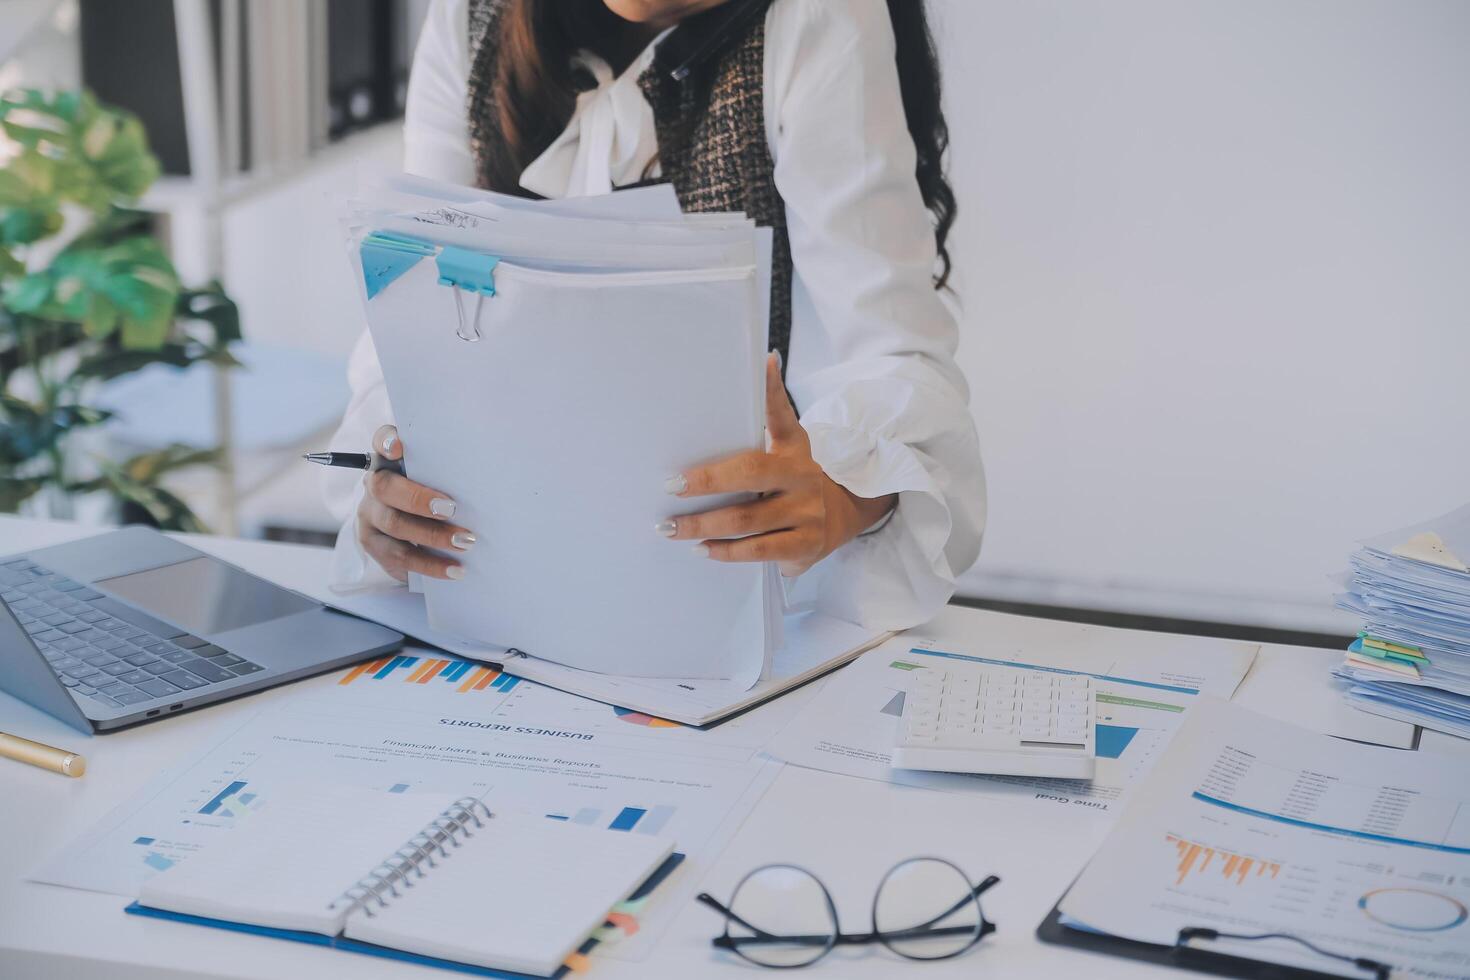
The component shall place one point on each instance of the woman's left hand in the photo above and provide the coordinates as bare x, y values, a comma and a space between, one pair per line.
801, 517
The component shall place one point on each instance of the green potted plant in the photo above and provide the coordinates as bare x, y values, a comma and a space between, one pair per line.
88, 294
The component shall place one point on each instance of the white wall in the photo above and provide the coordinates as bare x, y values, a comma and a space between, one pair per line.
285, 259
1215, 264
1215, 267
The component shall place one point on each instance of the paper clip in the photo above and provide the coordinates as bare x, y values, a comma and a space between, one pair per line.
470, 332
460, 269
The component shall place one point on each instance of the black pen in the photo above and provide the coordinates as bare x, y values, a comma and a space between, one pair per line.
354, 461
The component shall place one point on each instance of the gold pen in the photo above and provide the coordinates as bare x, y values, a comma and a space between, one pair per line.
37, 754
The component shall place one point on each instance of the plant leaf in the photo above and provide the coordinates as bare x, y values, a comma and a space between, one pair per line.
27, 431
150, 466
15, 490
211, 305
164, 508
29, 294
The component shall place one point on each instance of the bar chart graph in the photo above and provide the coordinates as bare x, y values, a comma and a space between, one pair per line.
1113, 740
154, 858
1196, 859
465, 676
231, 801
637, 819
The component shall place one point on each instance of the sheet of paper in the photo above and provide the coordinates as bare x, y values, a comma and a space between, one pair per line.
809, 643
1248, 824
432, 687
1291, 687
525, 747
1145, 683
542, 429
655, 202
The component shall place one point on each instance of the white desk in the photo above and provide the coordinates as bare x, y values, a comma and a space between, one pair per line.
849, 831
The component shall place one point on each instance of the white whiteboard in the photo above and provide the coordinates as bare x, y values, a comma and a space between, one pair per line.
1215, 268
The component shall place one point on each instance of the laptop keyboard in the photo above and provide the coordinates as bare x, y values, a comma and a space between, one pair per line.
107, 651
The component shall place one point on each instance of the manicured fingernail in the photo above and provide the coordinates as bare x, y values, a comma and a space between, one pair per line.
667, 528
441, 507
389, 442
701, 551
455, 572
462, 540
780, 361
676, 484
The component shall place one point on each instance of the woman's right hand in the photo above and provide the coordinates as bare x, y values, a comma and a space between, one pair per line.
399, 520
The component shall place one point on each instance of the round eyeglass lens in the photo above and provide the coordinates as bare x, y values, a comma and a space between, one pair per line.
788, 917
926, 909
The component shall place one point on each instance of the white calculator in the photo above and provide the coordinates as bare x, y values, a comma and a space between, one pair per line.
977, 718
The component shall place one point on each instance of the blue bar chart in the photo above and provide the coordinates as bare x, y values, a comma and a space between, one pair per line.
627, 818
1112, 740
222, 796
639, 819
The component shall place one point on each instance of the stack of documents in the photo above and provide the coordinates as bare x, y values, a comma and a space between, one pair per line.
1412, 659
551, 365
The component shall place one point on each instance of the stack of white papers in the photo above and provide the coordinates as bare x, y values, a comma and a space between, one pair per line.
551, 364
1412, 659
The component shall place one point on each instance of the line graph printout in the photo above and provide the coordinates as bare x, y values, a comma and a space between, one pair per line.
1250, 825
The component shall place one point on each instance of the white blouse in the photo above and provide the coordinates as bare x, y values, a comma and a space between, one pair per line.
871, 364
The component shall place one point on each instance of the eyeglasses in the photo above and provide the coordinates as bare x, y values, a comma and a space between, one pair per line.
782, 916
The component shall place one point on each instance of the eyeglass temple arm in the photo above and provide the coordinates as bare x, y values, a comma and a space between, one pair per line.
720, 907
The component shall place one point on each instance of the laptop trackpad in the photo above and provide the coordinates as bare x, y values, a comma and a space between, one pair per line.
205, 596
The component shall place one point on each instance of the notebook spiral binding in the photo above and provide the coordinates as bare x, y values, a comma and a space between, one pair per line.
460, 819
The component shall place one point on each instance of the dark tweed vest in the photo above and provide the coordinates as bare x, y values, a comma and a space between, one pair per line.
710, 124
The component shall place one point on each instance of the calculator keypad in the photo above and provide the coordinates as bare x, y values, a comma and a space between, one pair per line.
984, 709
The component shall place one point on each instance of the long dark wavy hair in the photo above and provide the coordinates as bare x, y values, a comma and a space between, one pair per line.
535, 90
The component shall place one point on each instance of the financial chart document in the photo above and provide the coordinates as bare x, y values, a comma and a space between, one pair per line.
1143, 690
1249, 825
424, 724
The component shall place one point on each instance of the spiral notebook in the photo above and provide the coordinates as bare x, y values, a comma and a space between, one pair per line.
421, 876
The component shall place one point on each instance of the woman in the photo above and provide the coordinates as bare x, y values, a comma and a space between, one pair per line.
818, 118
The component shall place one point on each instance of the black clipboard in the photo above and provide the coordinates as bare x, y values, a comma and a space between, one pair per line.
1207, 961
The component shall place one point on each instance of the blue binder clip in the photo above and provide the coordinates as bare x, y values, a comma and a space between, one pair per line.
461, 269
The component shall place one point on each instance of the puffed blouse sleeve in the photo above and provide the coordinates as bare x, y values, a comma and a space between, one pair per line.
872, 368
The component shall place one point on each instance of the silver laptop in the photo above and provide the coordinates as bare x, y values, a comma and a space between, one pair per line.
131, 625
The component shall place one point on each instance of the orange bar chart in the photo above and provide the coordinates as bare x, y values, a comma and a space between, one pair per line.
1195, 858
432, 670
371, 667
464, 675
